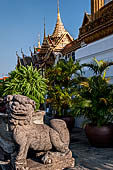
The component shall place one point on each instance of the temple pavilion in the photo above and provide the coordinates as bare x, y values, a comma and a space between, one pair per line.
48, 53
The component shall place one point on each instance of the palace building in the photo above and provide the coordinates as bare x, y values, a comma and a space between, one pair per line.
95, 37
48, 53
95, 26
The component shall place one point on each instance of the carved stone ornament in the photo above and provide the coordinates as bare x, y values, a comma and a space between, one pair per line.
48, 146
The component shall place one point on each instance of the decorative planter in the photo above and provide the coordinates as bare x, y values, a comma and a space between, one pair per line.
100, 136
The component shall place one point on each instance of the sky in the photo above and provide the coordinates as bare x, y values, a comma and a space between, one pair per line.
21, 21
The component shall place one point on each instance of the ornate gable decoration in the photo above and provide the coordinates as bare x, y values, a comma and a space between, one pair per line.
100, 26
87, 19
63, 41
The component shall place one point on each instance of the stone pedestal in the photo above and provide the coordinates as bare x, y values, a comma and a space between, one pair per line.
67, 163
51, 161
33, 165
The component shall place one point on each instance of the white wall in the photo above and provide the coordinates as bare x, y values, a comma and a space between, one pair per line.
58, 57
101, 49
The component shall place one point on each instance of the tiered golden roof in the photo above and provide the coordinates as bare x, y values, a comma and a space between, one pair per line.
45, 45
59, 28
60, 36
52, 44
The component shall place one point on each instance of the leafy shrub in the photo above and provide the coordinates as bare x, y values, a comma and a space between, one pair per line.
62, 82
26, 81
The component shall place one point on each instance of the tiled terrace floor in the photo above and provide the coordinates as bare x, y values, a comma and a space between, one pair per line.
87, 157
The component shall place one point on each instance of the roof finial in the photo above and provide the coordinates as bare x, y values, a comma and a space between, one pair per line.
39, 46
58, 12
44, 29
18, 59
30, 49
58, 6
22, 51
59, 28
17, 54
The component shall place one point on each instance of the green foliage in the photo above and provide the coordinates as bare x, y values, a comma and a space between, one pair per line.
1, 89
98, 67
95, 99
26, 81
61, 85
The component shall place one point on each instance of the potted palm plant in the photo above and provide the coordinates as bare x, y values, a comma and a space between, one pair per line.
61, 80
95, 102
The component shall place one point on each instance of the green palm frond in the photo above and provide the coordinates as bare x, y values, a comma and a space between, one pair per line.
98, 67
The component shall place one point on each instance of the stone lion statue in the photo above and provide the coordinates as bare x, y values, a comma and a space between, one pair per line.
39, 137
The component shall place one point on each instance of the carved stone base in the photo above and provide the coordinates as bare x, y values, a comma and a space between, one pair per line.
32, 165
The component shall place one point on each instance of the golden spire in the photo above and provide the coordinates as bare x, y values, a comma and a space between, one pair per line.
58, 12
58, 5
59, 28
45, 45
39, 46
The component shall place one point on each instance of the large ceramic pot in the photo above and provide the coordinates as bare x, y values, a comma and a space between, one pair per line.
70, 121
100, 136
